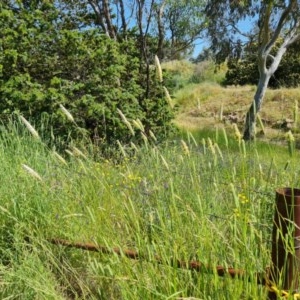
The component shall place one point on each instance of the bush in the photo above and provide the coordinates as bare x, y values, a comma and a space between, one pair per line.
245, 71
44, 64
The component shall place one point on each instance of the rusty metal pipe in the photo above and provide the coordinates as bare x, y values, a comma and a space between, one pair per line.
189, 265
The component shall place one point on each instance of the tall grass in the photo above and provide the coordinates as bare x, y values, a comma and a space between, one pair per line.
201, 198
186, 74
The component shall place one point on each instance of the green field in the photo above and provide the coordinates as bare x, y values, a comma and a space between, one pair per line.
203, 196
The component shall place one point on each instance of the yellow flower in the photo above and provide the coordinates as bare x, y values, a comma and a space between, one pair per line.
243, 198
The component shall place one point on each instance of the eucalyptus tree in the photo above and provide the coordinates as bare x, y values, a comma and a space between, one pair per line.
243, 70
168, 28
179, 24
274, 25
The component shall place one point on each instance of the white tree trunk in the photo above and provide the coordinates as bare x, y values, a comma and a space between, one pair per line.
249, 131
289, 34
265, 75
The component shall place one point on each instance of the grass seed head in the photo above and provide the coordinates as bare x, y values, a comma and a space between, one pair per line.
237, 133
211, 146
134, 146
60, 158
69, 152
30, 128
291, 142
164, 162
152, 135
67, 113
126, 122
168, 97
78, 152
296, 112
144, 137
185, 147
290, 137
158, 69
138, 124
219, 150
121, 148
32, 172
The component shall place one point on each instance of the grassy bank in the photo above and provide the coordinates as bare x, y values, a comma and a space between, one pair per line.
203, 103
205, 197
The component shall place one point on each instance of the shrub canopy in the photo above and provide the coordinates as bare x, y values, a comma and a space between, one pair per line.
242, 71
46, 59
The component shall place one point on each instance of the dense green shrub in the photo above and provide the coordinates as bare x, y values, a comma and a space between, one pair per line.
45, 62
244, 70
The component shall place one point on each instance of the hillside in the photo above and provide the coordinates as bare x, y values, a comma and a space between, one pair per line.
208, 104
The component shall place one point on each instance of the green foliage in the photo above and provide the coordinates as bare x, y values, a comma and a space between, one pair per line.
241, 72
203, 198
181, 74
245, 71
46, 61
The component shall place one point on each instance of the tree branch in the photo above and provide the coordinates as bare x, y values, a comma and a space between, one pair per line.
107, 16
99, 17
280, 24
124, 24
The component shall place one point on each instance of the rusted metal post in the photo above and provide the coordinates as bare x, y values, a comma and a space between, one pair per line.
285, 268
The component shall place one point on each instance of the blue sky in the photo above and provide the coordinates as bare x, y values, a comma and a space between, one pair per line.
244, 26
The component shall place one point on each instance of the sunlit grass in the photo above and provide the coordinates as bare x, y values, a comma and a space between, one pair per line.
203, 196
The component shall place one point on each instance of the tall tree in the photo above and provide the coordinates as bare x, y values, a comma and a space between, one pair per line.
243, 70
173, 25
183, 25
276, 26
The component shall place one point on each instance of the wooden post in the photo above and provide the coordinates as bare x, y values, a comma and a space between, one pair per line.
285, 269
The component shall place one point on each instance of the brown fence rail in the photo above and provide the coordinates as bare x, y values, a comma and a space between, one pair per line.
188, 265
284, 262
